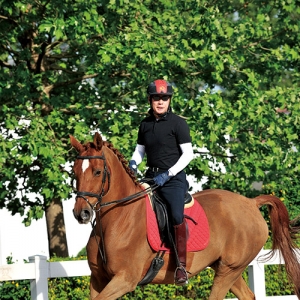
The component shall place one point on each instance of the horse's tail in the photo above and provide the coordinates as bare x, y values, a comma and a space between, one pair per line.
284, 236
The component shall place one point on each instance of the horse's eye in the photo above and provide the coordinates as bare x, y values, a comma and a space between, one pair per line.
97, 172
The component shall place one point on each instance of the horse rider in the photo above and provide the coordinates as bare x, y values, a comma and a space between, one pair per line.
165, 139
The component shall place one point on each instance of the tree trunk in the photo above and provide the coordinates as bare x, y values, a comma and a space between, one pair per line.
57, 239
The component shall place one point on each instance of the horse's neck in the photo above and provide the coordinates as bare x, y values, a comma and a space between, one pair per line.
122, 186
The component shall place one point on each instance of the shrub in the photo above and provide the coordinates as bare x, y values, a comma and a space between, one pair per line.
15, 290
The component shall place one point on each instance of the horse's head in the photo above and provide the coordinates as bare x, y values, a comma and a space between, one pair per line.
92, 177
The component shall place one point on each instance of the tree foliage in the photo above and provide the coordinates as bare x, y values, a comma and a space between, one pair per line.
73, 67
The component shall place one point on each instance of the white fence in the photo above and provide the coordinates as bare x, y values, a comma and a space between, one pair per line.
38, 270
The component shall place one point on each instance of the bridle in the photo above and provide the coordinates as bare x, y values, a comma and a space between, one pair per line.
98, 205
106, 174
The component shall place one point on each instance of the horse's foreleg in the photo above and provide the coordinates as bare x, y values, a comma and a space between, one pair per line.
118, 286
97, 284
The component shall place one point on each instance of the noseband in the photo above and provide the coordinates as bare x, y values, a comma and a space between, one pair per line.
106, 174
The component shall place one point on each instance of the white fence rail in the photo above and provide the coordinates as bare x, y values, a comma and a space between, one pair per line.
38, 270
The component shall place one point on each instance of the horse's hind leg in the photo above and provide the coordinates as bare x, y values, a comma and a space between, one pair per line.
227, 278
241, 290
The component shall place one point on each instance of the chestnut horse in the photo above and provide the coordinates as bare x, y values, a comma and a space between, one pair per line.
118, 251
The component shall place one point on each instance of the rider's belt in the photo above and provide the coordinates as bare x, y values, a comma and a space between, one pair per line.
156, 169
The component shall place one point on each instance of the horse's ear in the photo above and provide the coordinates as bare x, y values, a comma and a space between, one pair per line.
98, 142
77, 145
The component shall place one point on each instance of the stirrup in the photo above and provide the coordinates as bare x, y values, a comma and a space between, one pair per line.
182, 280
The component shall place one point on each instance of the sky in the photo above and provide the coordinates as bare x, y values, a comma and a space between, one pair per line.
21, 242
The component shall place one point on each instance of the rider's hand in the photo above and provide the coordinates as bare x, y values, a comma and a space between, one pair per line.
162, 178
133, 166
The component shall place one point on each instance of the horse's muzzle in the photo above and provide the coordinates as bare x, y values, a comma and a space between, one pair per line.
84, 217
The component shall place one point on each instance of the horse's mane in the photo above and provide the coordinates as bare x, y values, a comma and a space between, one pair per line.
123, 161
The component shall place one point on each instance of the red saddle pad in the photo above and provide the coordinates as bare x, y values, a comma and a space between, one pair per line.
198, 233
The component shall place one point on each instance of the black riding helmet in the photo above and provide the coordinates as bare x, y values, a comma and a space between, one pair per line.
160, 87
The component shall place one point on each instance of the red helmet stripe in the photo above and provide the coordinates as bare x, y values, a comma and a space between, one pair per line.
161, 86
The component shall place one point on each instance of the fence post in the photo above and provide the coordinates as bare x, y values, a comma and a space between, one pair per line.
256, 275
39, 285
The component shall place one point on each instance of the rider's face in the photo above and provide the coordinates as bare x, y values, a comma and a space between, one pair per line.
160, 104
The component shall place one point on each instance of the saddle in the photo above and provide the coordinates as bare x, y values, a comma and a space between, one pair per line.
160, 230
166, 234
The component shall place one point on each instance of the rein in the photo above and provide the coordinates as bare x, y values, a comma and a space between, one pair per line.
83, 194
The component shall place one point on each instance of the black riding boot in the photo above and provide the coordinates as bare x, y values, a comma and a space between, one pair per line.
181, 276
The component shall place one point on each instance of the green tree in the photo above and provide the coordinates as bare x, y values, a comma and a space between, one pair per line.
72, 67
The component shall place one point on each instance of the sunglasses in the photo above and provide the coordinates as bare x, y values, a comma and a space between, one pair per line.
158, 97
